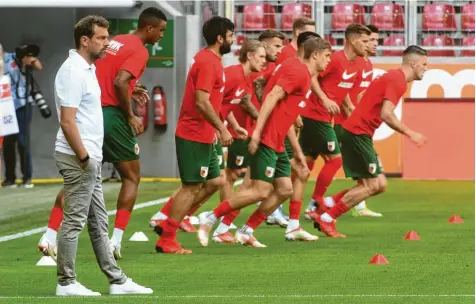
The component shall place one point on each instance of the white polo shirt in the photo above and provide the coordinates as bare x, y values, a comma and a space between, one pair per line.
76, 86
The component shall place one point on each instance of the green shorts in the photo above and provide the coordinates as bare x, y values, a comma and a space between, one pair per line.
197, 162
289, 149
318, 138
120, 144
219, 149
338, 129
238, 156
358, 156
267, 164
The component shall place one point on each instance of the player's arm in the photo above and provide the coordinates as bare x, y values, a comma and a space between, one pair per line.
294, 142
121, 87
248, 106
236, 126
388, 116
348, 106
258, 85
276, 94
329, 104
206, 109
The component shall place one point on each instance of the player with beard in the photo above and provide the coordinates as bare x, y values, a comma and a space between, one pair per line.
117, 73
199, 121
376, 106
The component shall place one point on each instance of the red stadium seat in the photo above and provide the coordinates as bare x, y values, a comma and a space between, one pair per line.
468, 41
345, 13
388, 16
439, 16
259, 16
239, 40
395, 40
467, 17
293, 11
331, 39
439, 41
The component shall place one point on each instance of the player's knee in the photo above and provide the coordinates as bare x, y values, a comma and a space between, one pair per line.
262, 190
373, 186
383, 185
284, 191
215, 184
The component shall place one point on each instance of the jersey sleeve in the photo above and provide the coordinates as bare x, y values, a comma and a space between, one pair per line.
68, 89
291, 80
206, 77
136, 62
391, 92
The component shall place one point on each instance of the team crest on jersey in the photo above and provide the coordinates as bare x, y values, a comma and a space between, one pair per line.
136, 149
220, 159
239, 160
331, 145
302, 104
269, 172
372, 168
308, 94
204, 172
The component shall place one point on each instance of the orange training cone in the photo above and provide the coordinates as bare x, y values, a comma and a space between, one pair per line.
379, 259
455, 219
412, 236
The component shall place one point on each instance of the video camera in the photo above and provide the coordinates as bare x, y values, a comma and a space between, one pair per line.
35, 92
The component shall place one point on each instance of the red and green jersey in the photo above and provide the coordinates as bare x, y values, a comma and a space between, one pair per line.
206, 74
336, 81
125, 52
366, 117
288, 51
295, 79
236, 87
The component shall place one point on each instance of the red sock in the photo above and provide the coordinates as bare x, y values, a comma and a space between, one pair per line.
339, 195
339, 209
256, 219
230, 217
324, 179
223, 209
166, 209
310, 165
122, 219
56, 217
169, 231
294, 210
194, 209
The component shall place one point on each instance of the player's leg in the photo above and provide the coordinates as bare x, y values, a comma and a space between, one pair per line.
47, 243
120, 148
262, 165
9, 157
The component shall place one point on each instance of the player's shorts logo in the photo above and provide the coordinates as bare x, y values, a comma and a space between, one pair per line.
239, 160
331, 145
220, 159
269, 172
372, 168
136, 149
204, 171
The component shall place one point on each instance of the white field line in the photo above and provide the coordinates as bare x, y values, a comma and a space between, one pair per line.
23, 234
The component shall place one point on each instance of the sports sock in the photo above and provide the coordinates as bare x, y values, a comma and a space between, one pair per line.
230, 217
222, 209
166, 209
326, 218
222, 228
292, 225
120, 224
362, 205
169, 232
339, 209
337, 197
50, 235
294, 209
193, 209
56, 217
256, 219
329, 202
325, 177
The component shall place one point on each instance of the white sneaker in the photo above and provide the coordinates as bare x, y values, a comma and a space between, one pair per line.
248, 240
232, 227
205, 228
300, 235
47, 248
75, 289
277, 219
129, 287
115, 248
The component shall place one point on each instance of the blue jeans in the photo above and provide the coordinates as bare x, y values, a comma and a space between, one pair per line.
9, 144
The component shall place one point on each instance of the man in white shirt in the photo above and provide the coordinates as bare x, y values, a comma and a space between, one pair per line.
78, 153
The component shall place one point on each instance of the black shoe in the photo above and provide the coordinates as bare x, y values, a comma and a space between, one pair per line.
28, 184
9, 184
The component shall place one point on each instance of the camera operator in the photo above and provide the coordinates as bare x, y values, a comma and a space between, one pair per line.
15, 64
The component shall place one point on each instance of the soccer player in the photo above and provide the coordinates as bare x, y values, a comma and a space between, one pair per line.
286, 95
300, 25
198, 123
330, 91
376, 106
117, 73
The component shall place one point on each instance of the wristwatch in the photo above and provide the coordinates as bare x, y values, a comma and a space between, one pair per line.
84, 159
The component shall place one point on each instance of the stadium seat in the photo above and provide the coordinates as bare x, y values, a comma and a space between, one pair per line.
439, 41
395, 40
388, 16
468, 41
345, 13
331, 39
239, 40
439, 16
259, 16
467, 17
293, 11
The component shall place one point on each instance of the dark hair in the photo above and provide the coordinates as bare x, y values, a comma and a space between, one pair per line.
86, 27
268, 34
415, 49
356, 29
315, 44
216, 26
300, 23
304, 36
150, 16
372, 28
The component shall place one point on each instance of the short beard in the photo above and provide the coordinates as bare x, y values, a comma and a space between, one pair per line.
225, 48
